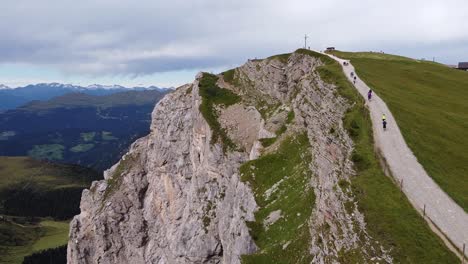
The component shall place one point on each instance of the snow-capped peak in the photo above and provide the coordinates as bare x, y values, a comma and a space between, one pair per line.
79, 88
99, 86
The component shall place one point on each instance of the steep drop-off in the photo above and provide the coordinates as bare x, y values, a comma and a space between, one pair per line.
254, 165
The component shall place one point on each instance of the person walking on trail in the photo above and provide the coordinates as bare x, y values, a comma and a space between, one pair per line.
369, 94
384, 122
354, 79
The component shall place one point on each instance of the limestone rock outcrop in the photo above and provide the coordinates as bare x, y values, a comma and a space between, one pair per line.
177, 198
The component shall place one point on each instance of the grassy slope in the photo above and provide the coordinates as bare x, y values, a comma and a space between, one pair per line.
389, 216
56, 234
82, 148
18, 237
288, 168
31, 238
430, 104
16, 170
269, 141
51, 151
293, 197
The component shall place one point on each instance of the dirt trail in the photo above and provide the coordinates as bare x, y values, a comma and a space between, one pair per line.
420, 189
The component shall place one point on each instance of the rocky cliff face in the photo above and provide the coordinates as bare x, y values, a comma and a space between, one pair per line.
178, 195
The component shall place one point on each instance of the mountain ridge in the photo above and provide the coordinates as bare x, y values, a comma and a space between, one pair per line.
78, 128
11, 98
270, 162
91, 86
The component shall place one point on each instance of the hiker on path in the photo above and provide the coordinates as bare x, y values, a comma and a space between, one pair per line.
369, 94
384, 122
354, 79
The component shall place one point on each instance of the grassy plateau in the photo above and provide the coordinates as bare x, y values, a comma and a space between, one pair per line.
430, 103
37, 199
389, 216
22, 239
280, 184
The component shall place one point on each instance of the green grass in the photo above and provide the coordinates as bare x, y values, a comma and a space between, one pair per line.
90, 136
21, 236
430, 103
232, 77
107, 136
266, 107
18, 231
26, 184
114, 182
5, 135
373, 55
82, 148
293, 196
269, 141
87, 137
25, 170
228, 75
290, 117
283, 58
55, 234
47, 151
21, 239
389, 216
283, 128
213, 95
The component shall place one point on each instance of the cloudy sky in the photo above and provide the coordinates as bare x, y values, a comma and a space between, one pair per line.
165, 43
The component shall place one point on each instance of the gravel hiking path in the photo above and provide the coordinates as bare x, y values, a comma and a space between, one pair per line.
420, 189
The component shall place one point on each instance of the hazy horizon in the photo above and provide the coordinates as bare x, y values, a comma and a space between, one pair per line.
166, 43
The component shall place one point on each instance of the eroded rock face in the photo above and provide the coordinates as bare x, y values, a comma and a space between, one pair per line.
243, 124
179, 199
337, 227
176, 198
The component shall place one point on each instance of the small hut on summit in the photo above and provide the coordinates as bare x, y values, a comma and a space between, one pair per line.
463, 66
330, 48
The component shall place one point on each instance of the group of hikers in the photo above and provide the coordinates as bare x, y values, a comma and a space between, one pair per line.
384, 118
353, 77
369, 96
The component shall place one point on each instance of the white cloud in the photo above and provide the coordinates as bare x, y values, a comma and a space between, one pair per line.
144, 37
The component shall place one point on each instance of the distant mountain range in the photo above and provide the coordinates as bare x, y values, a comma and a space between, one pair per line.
88, 126
11, 98
79, 128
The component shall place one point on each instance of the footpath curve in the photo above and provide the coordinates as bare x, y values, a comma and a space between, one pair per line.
420, 189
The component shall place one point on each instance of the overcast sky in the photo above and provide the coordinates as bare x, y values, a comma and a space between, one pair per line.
165, 43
